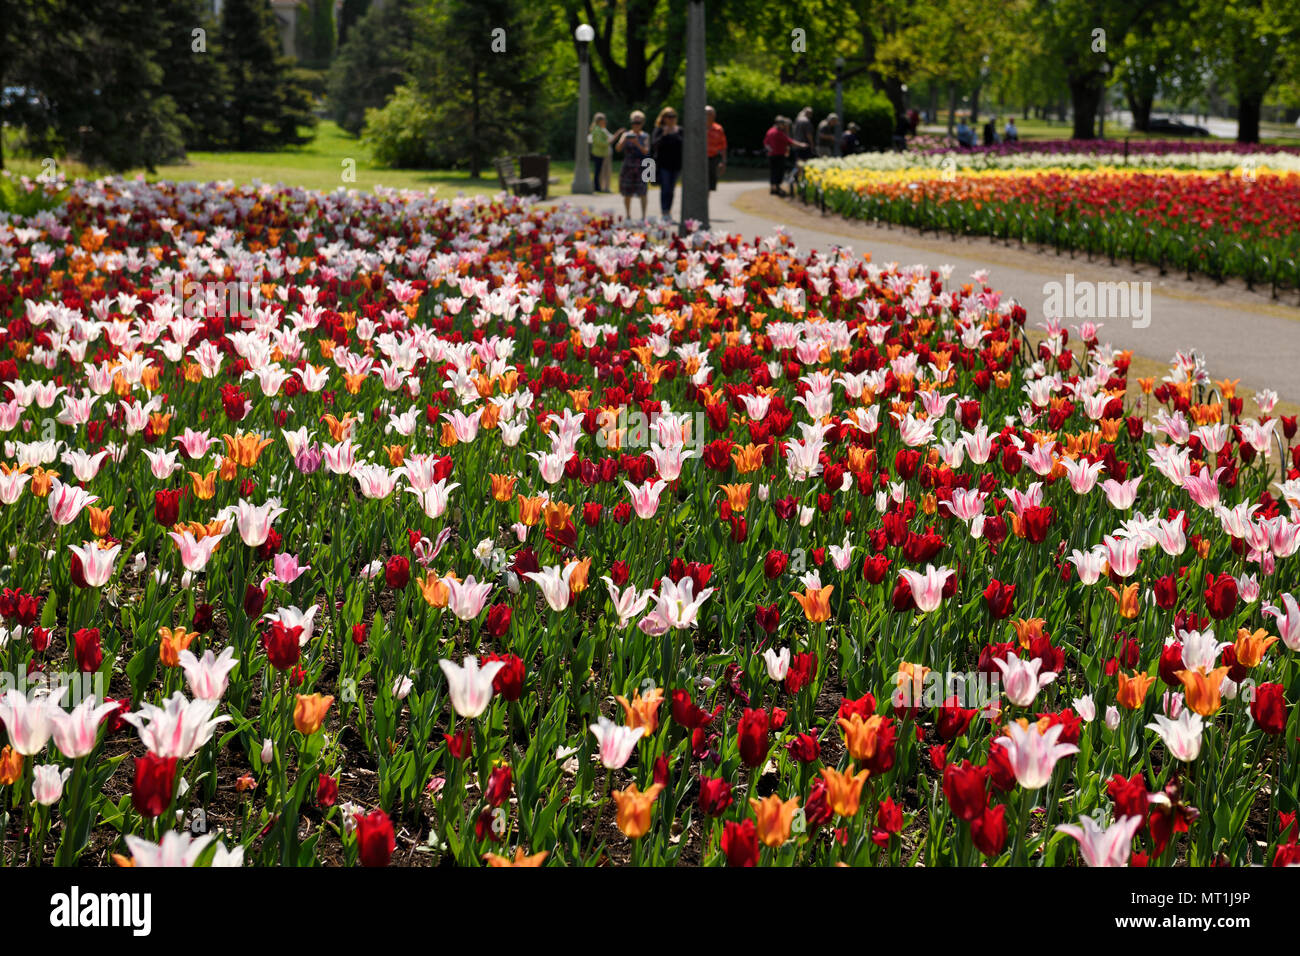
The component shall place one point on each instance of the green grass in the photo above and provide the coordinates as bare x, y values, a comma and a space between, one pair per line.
1271, 134
315, 165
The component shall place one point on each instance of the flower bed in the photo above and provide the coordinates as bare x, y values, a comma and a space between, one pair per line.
372, 529
1236, 222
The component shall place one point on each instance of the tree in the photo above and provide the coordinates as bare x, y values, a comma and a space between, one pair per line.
479, 66
192, 72
315, 33
1256, 44
652, 37
1084, 36
264, 107
372, 62
91, 81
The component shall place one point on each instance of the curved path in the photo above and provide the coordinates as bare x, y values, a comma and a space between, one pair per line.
1242, 334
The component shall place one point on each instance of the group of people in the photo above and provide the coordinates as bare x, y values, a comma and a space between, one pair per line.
966, 133
790, 142
654, 157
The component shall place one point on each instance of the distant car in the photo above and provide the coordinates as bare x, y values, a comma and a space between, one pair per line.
1176, 128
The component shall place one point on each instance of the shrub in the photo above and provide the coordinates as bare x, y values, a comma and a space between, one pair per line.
747, 100
401, 134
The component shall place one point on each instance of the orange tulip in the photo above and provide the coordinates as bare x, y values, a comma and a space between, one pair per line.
578, 577
748, 458
433, 590
173, 640
1126, 599
309, 712
557, 515
1133, 690
844, 790
530, 510
245, 448
774, 817
816, 603
1028, 629
634, 809
737, 496
100, 520
503, 486
1251, 648
642, 711
11, 766
203, 486
861, 737
521, 858
1202, 690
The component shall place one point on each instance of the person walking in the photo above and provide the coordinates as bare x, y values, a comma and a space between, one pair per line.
803, 133
600, 139
717, 147
634, 144
827, 130
666, 146
778, 144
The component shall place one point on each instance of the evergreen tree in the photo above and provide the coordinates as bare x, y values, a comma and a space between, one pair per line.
315, 33
92, 80
372, 62
265, 107
193, 73
479, 65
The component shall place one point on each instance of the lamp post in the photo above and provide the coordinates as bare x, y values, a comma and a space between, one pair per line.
581, 154
839, 104
695, 129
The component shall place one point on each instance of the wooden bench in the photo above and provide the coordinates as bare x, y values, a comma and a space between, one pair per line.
513, 183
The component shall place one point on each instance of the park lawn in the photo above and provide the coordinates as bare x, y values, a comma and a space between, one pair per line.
319, 164
1271, 134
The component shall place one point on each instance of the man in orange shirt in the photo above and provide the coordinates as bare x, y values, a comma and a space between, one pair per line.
717, 147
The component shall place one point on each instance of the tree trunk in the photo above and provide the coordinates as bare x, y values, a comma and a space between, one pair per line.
1085, 96
952, 106
1139, 105
975, 105
475, 160
1248, 110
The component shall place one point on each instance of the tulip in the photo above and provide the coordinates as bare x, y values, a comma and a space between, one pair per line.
469, 686
634, 809
67, 501
1033, 754
177, 849
47, 783
614, 743
642, 711
30, 723
1182, 737
96, 563
778, 665
309, 712
177, 730
154, 785
521, 858
208, 678
927, 588
1021, 679
774, 817
844, 789
1108, 847
376, 840
75, 733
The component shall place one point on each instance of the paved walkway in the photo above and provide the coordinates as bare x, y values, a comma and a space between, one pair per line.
1242, 334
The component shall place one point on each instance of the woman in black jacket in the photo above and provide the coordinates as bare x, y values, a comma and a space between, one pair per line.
666, 147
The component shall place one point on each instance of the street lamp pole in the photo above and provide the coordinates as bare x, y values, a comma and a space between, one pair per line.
581, 153
695, 130
839, 105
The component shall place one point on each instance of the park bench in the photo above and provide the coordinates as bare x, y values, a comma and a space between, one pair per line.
515, 184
